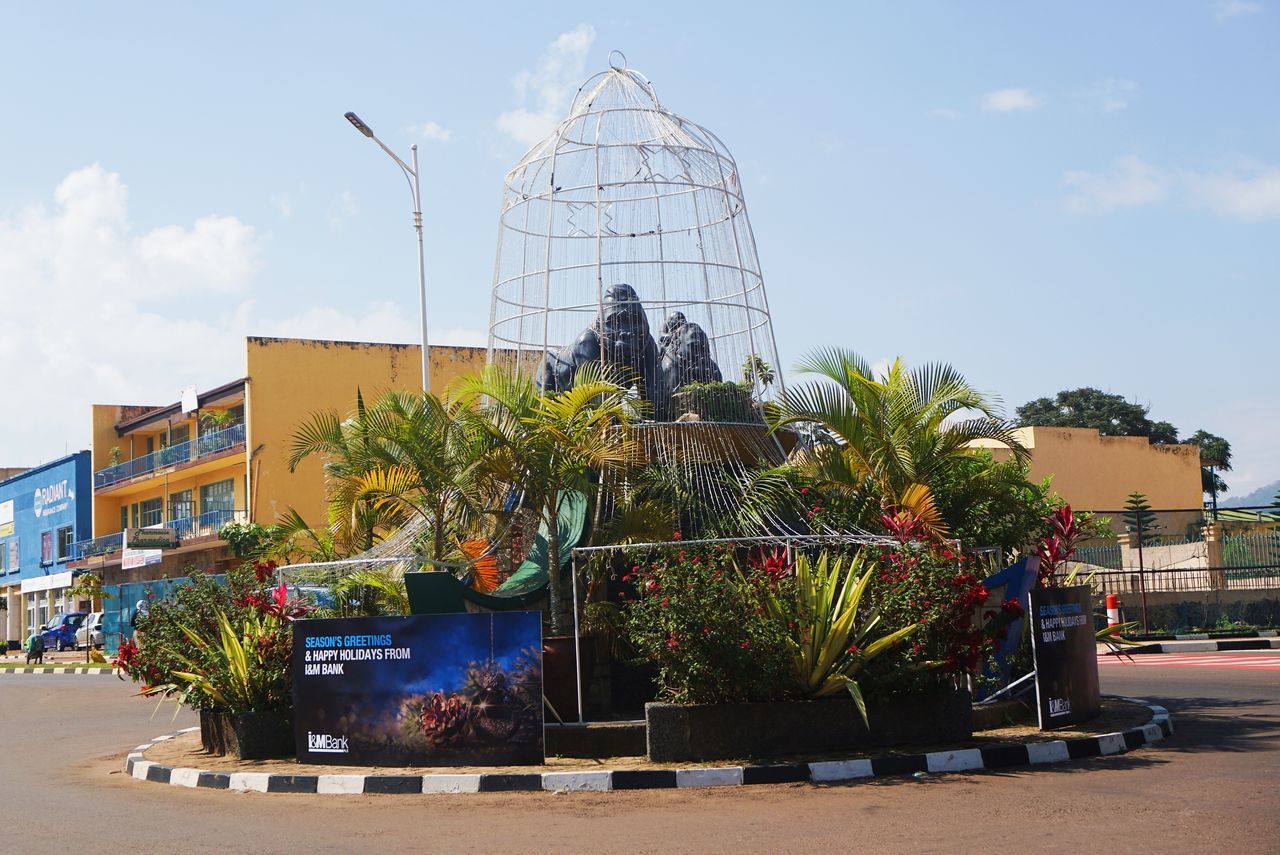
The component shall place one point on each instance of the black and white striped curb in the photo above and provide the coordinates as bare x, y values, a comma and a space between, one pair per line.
1226, 644
51, 669
829, 771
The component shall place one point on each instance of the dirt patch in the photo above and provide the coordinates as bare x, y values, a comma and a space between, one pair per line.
184, 751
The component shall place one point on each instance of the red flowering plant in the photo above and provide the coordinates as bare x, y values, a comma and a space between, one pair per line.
1057, 547
190, 645
929, 583
699, 620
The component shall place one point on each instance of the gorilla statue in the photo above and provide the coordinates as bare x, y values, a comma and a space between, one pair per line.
684, 357
619, 337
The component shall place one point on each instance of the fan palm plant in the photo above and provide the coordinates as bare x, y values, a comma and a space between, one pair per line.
428, 462
548, 445
900, 431
350, 451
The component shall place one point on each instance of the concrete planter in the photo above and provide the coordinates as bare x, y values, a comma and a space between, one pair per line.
733, 731
249, 736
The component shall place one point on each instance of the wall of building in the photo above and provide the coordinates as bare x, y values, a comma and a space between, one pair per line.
289, 379
40, 501
1097, 473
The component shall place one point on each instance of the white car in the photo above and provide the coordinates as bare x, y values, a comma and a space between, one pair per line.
90, 631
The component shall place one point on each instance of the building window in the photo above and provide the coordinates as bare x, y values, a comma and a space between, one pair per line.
15, 561
218, 497
4, 557
150, 512
124, 517
64, 541
46, 547
180, 506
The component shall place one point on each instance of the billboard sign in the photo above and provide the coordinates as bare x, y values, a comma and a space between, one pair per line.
6, 518
1066, 656
423, 690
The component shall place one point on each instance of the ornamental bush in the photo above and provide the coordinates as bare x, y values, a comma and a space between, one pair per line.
699, 622
931, 585
181, 634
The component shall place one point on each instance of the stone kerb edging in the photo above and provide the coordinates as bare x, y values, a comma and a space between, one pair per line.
822, 772
51, 669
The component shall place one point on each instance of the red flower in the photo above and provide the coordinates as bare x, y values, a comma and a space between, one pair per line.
675, 535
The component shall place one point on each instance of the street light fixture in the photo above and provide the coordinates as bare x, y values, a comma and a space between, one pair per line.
413, 176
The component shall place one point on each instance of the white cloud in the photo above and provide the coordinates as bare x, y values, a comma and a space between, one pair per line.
1133, 183
1009, 101
431, 132
547, 89
96, 311
944, 113
1112, 94
1251, 194
1226, 9
1252, 198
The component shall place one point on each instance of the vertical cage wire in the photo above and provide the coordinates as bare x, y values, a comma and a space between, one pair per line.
625, 191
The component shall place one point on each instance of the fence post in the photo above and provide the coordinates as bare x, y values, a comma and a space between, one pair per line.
1214, 557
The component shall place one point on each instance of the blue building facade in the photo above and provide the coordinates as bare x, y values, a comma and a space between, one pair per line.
43, 513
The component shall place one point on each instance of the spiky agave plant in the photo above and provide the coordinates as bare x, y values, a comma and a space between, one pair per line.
831, 638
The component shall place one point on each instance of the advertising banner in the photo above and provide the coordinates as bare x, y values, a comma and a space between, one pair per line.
1066, 656
6, 518
423, 690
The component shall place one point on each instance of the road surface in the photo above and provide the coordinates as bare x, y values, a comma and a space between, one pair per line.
1212, 786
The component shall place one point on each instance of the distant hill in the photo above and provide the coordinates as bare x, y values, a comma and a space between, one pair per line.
1262, 496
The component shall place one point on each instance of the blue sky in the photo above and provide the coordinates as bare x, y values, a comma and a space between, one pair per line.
1046, 198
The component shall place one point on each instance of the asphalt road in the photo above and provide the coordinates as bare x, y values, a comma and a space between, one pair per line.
1213, 786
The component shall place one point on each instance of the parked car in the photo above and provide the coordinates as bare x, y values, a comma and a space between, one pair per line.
60, 632
90, 632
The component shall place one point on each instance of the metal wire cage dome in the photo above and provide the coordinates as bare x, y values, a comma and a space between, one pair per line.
626, 192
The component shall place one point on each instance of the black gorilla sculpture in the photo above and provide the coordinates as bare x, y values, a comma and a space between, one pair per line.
684, 357
620, 337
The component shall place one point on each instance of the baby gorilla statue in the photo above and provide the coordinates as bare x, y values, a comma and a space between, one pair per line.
684, 357
620, 338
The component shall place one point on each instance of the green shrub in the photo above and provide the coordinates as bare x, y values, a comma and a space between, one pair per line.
704, 630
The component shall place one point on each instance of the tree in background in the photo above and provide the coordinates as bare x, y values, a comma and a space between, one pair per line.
1110, 415
1215, 457
1139, 518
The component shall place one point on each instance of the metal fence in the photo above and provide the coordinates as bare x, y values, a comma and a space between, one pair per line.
204, 445
1186, 580
201, 525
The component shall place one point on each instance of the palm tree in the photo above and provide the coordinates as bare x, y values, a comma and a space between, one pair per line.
898, 433
429, 462
548, 445
350, 451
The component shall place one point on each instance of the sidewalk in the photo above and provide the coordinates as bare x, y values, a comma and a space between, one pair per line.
66, 657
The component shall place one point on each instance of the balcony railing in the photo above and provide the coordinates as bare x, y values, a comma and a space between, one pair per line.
201, 525
205, 445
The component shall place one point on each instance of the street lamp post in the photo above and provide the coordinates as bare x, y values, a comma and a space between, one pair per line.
413, 176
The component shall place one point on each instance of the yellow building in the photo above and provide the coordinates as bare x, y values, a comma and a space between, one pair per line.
221, 455
1097, 473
